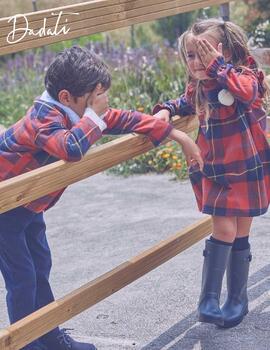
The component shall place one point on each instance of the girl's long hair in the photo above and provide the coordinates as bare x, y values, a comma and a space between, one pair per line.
234, 42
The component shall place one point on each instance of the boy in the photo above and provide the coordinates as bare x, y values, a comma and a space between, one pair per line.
63, 123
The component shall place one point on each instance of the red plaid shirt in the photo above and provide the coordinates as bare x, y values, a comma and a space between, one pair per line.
46, 134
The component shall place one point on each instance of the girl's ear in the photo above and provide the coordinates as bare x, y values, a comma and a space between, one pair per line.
227, 55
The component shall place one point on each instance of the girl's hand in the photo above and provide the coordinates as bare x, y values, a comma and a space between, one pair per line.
192, 152
190, 149
163, 114
207, 52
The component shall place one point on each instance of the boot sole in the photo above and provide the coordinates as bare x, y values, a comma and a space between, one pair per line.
235, 322
212, 320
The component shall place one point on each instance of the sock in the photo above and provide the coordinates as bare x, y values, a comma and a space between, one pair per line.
217, 241
241, 243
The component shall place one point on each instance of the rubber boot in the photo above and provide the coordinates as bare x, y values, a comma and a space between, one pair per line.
236, 305
215, 262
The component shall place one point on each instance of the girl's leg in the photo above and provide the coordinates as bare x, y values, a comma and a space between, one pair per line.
236, 305
224, 228
216, 255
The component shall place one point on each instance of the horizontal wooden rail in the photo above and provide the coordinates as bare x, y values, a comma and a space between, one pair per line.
40, 322
24, 188
92, 17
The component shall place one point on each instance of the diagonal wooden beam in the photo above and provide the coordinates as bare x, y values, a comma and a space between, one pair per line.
40, 322
94, 17
25, 188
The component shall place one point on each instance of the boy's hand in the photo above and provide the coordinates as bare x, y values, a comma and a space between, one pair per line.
164, 114
99, 102
190, 149
207, 51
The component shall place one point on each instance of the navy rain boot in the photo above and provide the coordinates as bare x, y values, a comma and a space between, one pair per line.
215, 262
236, 305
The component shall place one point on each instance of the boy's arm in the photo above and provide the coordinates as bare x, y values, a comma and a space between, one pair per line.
122, 121
55, 138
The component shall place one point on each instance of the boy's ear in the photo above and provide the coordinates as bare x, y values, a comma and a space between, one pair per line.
65, 97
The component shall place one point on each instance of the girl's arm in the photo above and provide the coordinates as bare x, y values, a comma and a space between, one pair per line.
182, 106
241, 82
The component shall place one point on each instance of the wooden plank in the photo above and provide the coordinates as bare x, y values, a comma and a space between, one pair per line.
24, 331
120, 20
114, 15
24, 188
100, 15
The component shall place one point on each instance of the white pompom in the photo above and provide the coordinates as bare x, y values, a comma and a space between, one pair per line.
225, 97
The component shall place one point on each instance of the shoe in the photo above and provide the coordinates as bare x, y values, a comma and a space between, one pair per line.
236, 306
35, 347
215, 262
63, 341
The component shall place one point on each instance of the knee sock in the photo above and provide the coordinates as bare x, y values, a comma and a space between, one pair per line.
241, 243
217, 241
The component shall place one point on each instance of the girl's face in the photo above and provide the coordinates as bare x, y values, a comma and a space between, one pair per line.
196, 67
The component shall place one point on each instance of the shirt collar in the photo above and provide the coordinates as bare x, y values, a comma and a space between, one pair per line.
74, 118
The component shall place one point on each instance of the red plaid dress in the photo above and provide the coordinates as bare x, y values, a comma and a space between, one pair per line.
47, 134
235, 180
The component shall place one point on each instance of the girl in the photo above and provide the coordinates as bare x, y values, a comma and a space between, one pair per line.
225, 89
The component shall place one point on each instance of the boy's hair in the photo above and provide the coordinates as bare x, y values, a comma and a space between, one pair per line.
233, 39
77, 70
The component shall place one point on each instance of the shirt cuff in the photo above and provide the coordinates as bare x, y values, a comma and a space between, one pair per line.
91, 114
212, 69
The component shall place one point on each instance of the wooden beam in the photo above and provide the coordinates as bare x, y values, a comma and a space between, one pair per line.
40, 322
25, 188
96, 16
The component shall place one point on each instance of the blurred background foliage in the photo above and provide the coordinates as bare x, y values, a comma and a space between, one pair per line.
144, 65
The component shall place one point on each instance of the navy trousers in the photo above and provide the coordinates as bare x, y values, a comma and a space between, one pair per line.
25, 263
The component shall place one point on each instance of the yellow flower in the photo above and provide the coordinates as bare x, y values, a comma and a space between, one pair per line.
174, 157
166, 155
140, 109
150, 162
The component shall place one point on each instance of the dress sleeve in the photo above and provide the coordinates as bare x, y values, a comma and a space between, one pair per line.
182, 106
242, 82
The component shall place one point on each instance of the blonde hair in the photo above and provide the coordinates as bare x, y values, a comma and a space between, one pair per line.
234, 41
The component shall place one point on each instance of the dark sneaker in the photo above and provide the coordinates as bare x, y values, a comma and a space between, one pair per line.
63, 341
35, 347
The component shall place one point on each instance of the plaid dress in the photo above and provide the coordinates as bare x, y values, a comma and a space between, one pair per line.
235, 180
48, 133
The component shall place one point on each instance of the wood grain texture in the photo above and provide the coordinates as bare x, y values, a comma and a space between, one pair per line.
94, 17
25, 188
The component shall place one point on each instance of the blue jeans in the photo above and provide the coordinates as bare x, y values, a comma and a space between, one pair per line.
25, 263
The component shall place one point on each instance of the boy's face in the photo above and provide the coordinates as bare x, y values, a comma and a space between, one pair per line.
79, 104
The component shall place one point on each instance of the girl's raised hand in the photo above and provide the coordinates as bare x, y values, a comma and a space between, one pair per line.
208, 52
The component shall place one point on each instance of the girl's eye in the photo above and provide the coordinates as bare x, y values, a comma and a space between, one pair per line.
190, 55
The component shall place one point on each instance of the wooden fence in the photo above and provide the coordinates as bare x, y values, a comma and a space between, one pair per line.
79, 20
